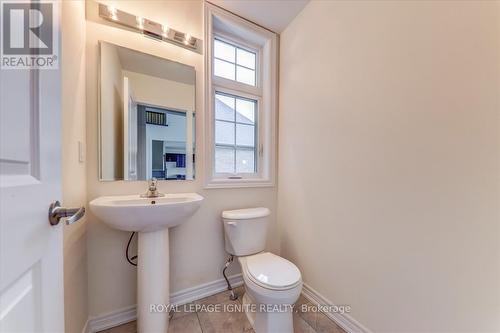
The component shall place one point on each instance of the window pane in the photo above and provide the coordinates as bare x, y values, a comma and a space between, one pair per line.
245, 75
235, 138
224, 107
224, 51
224, 160
245, 161
245, 111
224, 133
245, 135
245, 58
223, 69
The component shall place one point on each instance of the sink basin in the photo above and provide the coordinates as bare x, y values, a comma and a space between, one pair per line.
151, 218
133, 213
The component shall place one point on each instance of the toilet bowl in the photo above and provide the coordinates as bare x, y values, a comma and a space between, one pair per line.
272, 283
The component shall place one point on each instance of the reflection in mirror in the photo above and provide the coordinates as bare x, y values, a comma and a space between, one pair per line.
147, 116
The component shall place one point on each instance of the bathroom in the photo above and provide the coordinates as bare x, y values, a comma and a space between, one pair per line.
362, 166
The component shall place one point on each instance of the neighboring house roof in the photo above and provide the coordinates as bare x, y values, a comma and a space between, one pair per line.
226, 110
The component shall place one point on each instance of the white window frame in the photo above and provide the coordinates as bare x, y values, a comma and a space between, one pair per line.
221, 81
234, 30
257, 149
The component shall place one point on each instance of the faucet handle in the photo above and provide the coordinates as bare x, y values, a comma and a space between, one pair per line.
152, 184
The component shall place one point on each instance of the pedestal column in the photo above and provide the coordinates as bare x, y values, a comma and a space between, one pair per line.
153, 281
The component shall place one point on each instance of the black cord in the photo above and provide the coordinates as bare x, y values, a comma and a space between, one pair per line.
126, 251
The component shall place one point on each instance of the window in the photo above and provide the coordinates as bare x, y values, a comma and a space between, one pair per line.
235, 148
234, 63
156, 118
241, 102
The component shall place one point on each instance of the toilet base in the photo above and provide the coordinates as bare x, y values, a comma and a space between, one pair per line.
267, 322
247, 304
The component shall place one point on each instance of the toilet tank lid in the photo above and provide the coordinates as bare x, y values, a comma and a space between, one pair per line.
245, 214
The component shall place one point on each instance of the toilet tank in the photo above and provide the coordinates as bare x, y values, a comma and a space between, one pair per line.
245, 230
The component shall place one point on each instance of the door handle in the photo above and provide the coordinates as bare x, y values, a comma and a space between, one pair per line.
56, 213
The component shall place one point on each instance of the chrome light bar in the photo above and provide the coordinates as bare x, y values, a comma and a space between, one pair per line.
150, 28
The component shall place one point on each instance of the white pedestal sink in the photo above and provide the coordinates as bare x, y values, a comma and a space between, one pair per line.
151, 218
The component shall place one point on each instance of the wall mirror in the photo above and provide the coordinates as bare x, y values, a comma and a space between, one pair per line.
147, 116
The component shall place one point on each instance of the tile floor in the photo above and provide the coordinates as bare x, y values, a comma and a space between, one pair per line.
234, 322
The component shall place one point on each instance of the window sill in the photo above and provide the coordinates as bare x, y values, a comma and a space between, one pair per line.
238, 183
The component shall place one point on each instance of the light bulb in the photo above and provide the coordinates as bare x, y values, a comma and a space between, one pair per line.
140, 22
112, 13
164, 28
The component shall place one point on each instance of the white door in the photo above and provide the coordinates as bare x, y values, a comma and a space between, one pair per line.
129, 131
132, 147
31, 250
126, 129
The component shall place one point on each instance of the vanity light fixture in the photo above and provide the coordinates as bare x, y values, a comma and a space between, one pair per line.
140, 22
150, 28
164, 28
112, 13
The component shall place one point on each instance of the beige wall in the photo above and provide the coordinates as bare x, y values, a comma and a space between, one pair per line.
74, 181
161, 92
389, 160
197, 247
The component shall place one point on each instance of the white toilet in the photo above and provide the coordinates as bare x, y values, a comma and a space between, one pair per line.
272, 283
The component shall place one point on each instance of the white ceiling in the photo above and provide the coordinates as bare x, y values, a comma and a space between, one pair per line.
272, 14
147, 64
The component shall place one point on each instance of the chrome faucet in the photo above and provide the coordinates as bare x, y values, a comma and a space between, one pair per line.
152, 190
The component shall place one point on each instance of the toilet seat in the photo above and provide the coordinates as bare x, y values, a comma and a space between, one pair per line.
272, 272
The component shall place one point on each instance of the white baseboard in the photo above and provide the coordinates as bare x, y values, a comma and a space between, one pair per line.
203, 290
85, 328
129, 313
348, 324
112, 319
